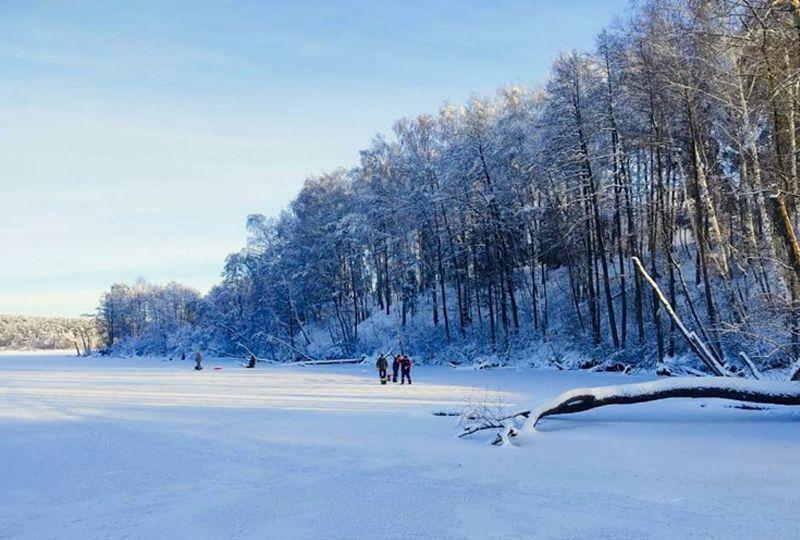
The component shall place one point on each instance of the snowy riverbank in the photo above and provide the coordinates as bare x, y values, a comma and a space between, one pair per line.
146, 448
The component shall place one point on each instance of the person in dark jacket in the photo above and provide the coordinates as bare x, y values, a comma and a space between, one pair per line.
198, 360
395, 367
252, 362
382, 364
405, 369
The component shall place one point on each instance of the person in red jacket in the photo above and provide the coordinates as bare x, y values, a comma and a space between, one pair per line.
405, 369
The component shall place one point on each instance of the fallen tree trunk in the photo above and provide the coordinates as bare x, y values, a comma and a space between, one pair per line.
329, 362
584, 399
751, 391
703, 351
271, 338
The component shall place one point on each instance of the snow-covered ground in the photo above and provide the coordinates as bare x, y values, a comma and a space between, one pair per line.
143, 448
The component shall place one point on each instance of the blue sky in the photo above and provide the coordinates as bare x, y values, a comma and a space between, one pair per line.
135, 137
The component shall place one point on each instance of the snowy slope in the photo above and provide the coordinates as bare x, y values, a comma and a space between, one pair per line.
141, 448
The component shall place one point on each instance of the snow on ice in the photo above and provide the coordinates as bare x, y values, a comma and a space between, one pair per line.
143, 448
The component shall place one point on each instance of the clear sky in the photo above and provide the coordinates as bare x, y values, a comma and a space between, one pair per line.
135, 137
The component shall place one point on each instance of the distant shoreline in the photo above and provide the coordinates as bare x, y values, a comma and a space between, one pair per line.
38, 352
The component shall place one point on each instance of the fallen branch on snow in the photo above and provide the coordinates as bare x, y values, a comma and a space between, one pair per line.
271, 338
584, 399
328, 362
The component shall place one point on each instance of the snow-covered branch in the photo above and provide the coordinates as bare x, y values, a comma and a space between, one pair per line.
585, 399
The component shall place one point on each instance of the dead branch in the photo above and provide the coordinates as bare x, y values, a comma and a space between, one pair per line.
705, 354
585, 399
749, 363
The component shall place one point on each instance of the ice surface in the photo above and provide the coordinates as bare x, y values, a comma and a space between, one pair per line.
145, 448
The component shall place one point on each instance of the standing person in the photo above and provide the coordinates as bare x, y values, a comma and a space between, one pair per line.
405, 368
198, 360
382, 364
183, 356
395, 367
252, 362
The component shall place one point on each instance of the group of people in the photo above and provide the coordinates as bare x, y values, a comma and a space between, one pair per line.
198, 361
400, 363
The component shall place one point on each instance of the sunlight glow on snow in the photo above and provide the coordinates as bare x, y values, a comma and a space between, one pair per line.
72, 395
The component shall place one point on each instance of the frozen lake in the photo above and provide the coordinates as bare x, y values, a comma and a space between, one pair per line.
143, 448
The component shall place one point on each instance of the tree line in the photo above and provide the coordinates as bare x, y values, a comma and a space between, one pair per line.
148, 318
20, 333
511, 221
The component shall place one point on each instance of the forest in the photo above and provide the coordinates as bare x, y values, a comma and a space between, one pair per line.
19, 333
509, 227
